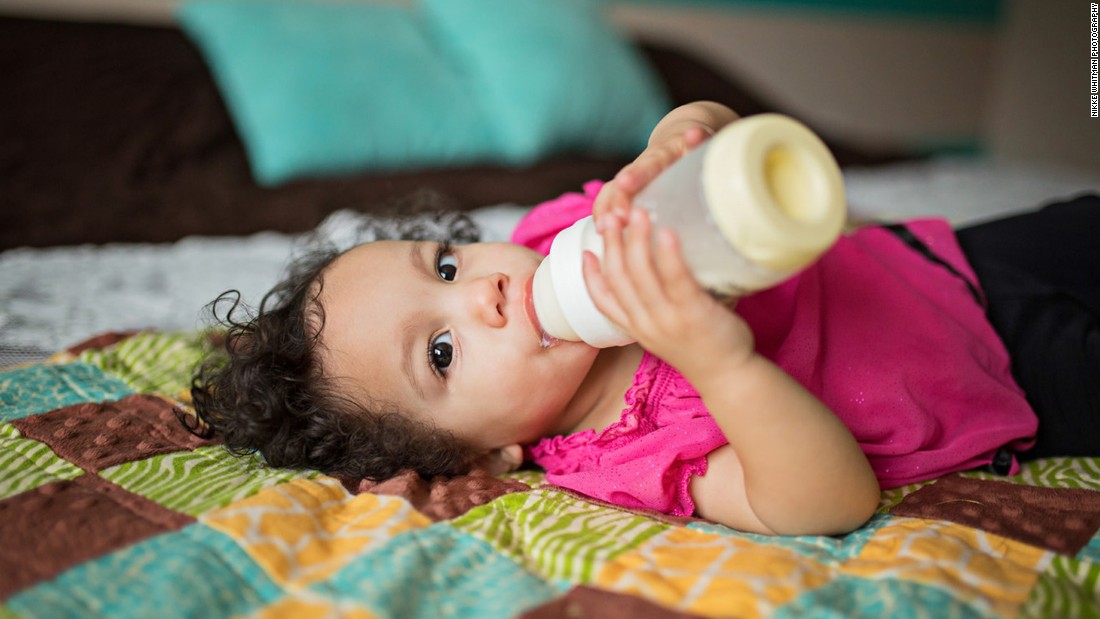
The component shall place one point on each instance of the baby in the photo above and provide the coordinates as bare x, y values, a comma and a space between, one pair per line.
426, 355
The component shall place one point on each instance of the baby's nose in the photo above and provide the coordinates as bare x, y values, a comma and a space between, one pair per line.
489, 299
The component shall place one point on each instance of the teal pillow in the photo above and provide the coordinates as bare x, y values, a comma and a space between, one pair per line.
317, 88
552, 75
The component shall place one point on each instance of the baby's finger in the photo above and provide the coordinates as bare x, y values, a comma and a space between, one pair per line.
604, 198
641, 261
647, 167
610, 202
673, 270
695, 136
601, 294
656, 159
616, 269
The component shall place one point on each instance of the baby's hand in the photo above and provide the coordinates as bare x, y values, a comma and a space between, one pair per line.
645, 287
678, 132
617, 195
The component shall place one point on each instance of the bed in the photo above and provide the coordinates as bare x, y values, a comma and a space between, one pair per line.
130, 206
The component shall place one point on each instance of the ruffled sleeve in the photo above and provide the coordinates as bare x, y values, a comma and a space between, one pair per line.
647, 459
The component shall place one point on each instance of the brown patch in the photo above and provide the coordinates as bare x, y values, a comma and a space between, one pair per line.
95, 436
56, 526
441, 498
1058, 519
583, 601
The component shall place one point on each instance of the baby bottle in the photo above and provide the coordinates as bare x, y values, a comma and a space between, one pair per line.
752, 206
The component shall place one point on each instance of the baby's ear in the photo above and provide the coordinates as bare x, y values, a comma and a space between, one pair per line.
502, 460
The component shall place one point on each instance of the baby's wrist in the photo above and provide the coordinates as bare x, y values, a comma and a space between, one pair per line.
706, 371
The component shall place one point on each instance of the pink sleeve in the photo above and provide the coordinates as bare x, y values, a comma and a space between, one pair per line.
651, 472
647, 459
538, 228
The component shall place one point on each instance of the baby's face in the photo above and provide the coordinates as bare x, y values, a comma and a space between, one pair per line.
445, 335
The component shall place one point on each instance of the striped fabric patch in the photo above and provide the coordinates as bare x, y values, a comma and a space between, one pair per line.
1056, 473
1069, 588
28, 464
151, 362
194, 482
557, 535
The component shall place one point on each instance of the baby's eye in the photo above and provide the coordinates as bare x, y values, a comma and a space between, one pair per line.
440, 351
446, 264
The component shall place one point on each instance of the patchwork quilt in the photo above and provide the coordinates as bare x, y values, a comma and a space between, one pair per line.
110, 508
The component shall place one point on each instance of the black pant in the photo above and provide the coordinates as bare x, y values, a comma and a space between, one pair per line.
1040, 272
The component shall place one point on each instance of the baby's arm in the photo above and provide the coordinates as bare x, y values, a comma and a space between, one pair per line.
791, 467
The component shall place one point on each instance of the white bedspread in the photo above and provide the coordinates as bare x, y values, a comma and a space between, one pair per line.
52, 298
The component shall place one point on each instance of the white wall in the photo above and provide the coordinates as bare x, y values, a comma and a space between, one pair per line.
1017, 88
877, 81
1038, 108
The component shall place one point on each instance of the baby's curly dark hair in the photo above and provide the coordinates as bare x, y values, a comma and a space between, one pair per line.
267, 391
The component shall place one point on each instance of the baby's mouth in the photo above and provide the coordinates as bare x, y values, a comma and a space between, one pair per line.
545, 339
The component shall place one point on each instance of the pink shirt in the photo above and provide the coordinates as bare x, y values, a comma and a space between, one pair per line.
894, 344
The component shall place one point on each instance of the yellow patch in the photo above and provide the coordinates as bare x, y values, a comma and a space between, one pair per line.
299, 608
303, 531
713, 575
978, 567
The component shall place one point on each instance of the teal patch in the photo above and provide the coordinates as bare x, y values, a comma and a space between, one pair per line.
404, 578
43, 388
856, 598
199, 572
1091, 552
827, 550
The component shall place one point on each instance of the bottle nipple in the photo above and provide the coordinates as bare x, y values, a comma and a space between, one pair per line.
551, 320
560, 295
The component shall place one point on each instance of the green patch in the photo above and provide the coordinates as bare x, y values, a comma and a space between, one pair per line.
1068, 588
1082, 473
152, 362
28, 464
556, 535
195, 482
